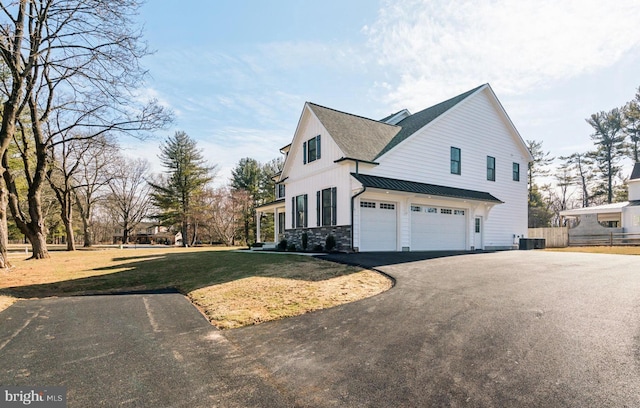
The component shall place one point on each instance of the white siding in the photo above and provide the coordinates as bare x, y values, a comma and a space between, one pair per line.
315, 176
476, 127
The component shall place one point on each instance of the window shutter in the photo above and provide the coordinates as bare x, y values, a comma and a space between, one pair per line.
305, 211
318, 146
333, 206
318, 206
293, 212
304, 153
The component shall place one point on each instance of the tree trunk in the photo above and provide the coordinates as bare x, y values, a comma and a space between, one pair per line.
38, 242
86, 226
194, 237
4, 231
185, 233
34, 229
68, 227
125, 233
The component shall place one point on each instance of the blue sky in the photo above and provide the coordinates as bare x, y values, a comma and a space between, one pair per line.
237, 73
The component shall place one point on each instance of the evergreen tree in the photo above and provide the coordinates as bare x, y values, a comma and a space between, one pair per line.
539, 166
187, 173
631, 113
610, 148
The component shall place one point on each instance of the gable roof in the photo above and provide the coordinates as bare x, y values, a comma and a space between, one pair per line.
418, 120
358, 137
385, 183
366, 139
635, 174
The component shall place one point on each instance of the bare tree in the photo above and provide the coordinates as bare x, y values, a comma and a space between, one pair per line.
74, 67
226, 209
582, 166
130, 198
96, 168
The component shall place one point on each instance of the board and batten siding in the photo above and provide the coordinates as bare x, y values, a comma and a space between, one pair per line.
317, 175
477, 128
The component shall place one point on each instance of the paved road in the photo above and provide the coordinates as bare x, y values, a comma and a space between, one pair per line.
525, 329
141, 350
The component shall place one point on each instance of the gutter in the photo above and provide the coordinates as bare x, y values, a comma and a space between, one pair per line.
353, 198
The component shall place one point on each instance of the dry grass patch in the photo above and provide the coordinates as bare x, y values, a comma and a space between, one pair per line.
232, 288
260, 299
618, 250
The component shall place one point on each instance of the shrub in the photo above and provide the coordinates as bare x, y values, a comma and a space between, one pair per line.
305, 241
317, 248
282, 245
292, 248
330, 243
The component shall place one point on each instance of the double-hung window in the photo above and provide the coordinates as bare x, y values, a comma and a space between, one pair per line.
516, 171
456, 162
299, 205
311, 150
491, 168
326, 206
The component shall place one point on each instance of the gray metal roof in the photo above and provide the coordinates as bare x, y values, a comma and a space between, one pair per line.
384, 183
635, 174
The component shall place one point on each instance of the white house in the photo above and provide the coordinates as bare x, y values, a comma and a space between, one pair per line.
450, 177
623, 217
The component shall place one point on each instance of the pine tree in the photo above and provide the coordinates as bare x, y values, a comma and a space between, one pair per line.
186, 175
610, 148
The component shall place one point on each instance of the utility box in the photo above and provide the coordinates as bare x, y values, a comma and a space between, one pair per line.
532, 243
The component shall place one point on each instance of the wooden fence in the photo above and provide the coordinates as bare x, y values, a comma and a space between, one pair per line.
557, 237
610, 239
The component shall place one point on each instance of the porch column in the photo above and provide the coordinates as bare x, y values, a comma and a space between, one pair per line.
276, 225
258, 218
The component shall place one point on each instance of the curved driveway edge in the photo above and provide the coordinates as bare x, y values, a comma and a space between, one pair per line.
505, 329
136, 350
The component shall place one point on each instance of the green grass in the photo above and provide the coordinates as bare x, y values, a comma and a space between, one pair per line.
222, 283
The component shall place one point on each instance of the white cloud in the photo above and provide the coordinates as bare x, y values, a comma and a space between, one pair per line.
439, 47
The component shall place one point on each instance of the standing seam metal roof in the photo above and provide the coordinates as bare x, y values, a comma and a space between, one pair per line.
423, 188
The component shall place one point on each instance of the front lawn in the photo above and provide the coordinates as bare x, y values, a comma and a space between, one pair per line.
232, 289
619, 250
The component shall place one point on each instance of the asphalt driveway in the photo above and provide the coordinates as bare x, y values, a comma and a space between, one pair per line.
521, 328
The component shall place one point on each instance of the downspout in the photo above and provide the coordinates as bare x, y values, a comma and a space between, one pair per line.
353, 198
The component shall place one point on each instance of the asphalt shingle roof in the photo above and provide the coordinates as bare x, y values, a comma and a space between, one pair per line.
418, 120
367, 139
358, 137
422, 188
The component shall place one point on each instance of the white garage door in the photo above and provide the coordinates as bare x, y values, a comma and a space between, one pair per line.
437, 228
377, 226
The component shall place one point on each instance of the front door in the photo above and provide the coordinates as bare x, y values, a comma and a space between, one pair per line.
478, 233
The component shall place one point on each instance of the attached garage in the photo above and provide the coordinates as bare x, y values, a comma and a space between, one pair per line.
378, 226
437, 228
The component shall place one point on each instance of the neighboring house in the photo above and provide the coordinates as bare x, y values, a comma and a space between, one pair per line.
450, 177
147, 233
621, 217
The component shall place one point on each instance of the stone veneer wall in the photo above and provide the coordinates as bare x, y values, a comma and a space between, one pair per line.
318, 236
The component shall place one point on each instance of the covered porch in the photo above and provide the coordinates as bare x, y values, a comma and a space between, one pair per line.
277, 208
